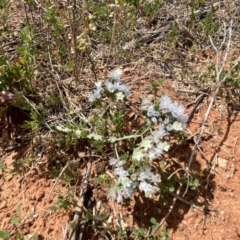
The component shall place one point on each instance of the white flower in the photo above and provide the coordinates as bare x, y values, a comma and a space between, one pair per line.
151, 112
120, 163
115, 74
116, 192
123, 88
116, 162
154, 153
163, 145
177, 126
147, 175
157, 135
161, 130
138, 154
166, 120
146, 103
113, 161
98, 84
165, 103
120, 96
177, 110
96, 94
148, 189
154, 120
110, 87
128, 191
121, 172
146, 143
125, 181
123, 177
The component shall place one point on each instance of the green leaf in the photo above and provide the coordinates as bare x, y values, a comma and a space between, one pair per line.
5, 235
35, 236
19, 210
153, 221
53, 208
196, 182
2, 165
3, 60
19, 236
15, 220
171, 189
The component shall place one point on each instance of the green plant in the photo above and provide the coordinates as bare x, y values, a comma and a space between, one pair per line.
17, 228
103, 179
66, 202
134, 170
135, 150
4, 11
208, 25
173, 33
150, 234
5, 235
154, 86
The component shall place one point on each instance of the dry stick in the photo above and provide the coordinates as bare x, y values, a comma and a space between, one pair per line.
216, 91
233, 157
74, 38
113, 28
207, 112
77, 232
64, 231
202, 209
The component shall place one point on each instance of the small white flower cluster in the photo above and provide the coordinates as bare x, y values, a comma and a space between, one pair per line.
152, 146
113, 86
166, 115
96, 93
171, 111
127, 183
171, 117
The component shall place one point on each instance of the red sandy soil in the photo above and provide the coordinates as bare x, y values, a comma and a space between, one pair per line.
218, 161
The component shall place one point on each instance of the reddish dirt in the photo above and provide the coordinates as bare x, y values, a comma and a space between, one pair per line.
220, 144
218, 161
30, 194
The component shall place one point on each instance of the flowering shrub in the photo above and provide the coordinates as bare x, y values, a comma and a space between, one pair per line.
136, 168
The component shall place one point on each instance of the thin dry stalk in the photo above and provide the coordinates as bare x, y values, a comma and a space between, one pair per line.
198, 140
220, 83
59, 176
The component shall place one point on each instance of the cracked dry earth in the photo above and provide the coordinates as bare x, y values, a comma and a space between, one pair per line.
217, 164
